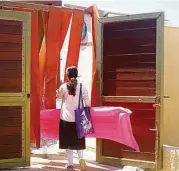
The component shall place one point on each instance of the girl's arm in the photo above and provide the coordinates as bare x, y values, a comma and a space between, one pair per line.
85, 96
60, 92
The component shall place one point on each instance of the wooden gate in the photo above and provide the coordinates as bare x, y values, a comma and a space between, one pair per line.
15, 33
130, 68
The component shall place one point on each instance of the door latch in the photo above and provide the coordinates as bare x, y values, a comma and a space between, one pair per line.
28, 96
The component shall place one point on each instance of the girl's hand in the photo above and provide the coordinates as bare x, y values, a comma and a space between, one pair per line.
57, 93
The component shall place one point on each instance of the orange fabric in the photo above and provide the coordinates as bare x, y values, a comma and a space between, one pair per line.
75, 38
58, 23
42, 60
94, 13
41, 28
42, 56
45, 20
34, 89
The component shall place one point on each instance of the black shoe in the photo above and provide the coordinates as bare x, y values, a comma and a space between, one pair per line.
69, 168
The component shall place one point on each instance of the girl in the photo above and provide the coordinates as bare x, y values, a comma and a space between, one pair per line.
69, 93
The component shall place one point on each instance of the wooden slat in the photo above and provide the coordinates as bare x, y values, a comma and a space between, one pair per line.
10, 76
13, 148
132, 106
10, 47
7, 118
10, 122
130, 24
13, 65
133, 33
10, 38
10, 23
144, 114
7, 140
16, 30
10, 56
143, 123
10, 85
123, 49
145, 76
143, 131
10, 73
10, 112
127, 59
136, 40
10, 131
133, 70
10, 27
148, 76
10, 155
109, 65
123, 91
118, 83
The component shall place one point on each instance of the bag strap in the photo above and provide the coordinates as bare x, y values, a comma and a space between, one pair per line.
80, 98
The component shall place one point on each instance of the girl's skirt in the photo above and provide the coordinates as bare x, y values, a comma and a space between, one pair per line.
68, 138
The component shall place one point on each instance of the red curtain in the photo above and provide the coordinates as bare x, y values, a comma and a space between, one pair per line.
35, 93
75, 38
94, 13
58, 23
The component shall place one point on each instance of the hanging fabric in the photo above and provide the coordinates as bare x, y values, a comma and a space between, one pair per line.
75, 38
58, 23
42, 56
94, 12
35, 93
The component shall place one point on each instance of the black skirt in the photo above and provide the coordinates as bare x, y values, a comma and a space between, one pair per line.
68, 138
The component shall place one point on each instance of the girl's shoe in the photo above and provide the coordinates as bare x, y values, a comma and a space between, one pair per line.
69, 168
83, 165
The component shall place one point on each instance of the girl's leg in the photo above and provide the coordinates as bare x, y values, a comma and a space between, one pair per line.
80, 154
69, 157
81, 160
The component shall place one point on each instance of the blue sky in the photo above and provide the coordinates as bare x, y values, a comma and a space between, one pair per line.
170, 7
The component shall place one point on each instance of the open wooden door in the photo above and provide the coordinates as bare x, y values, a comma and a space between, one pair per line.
130, 74
15, 41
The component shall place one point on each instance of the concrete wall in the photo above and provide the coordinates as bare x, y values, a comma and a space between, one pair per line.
171, 87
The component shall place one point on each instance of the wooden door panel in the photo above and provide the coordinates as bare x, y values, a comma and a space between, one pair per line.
14, 85
130, 55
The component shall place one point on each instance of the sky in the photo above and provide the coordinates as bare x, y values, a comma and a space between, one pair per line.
170, 7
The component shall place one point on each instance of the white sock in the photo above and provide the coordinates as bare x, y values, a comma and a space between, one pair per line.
69, 157
80, 154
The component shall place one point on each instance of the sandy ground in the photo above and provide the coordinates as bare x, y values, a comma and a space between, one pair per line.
55, 160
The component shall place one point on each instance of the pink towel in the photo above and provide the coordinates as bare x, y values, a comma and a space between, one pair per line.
112, 123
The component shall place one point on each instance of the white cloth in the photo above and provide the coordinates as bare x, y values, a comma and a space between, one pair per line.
70, 102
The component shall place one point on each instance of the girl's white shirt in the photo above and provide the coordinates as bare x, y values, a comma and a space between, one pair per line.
70, 102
